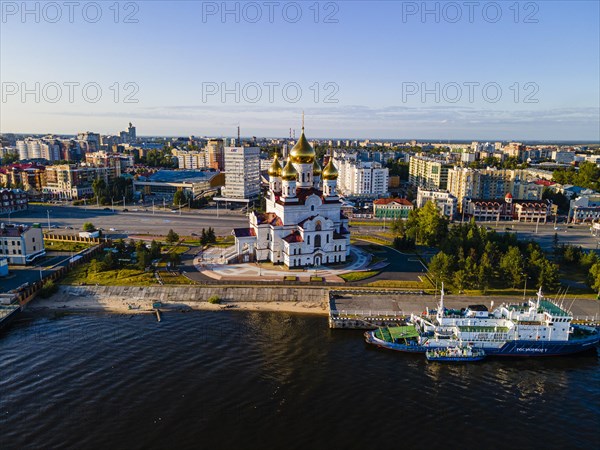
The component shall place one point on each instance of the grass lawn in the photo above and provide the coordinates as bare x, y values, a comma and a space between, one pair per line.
400, 284
65, 246
117, 277
176, 249
174, 278
366, 237
573, 273
357, 276
368, 223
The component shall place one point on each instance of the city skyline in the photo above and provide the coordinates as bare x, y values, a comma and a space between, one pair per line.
518, 73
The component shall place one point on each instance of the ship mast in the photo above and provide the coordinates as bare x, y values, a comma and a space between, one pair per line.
440, 313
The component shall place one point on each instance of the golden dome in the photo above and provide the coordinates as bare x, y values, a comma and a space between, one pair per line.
317, 171
302, 152
289, 172
330, 172
275, 169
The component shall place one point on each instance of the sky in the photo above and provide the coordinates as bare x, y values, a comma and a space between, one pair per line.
500, 70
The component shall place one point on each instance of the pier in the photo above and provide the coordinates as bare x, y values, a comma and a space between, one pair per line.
371, 309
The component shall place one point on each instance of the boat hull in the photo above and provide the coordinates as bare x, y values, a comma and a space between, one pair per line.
455, 358
511, 348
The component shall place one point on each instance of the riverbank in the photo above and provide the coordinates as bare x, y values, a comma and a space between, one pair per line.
135, 300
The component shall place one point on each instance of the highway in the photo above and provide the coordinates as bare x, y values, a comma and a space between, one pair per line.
131, 222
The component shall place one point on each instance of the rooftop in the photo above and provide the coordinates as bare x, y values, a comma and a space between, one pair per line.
181, 176
387, 201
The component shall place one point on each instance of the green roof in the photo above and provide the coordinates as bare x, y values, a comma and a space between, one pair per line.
552, 308
390, 334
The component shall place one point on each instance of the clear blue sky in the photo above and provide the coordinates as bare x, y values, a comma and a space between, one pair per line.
374, 56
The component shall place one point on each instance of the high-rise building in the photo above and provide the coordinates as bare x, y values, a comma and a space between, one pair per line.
89, 142
361, 178
131, 134
488, 184
242, 173
215, 153
428, 173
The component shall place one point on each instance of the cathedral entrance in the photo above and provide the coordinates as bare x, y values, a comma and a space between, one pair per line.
318, 260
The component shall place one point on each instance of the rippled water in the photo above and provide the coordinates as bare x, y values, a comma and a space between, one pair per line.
240, 380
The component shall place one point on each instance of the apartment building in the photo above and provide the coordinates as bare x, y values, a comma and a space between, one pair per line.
69, 181
428, 173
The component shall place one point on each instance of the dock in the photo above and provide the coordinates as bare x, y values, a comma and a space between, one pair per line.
368, 310
8, 313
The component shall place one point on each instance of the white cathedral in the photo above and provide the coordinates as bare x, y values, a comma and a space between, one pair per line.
303, 224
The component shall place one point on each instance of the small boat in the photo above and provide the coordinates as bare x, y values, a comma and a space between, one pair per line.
455, 354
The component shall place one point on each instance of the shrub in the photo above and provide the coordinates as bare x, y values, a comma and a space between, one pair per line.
48, 289
214, 299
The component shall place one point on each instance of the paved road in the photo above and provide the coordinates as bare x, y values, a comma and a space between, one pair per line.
400, 266
407, 304
131, 222
20, 275
578, 234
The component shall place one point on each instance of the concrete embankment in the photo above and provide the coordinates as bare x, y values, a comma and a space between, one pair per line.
134, 298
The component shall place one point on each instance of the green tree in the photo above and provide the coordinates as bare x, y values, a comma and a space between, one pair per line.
460, 280
89, 226
172, 237
511, 264
203, 237
174, 259
398, 227
155, 249
441, 266
548, 277
143, 259
211, 236
179, 198
109, 262
485, 272
426, 225
94, 266
594, 277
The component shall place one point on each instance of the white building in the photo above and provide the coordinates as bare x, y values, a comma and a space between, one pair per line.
585, 209
29, 149
445, 201
303, 224
21, 244
357, 178
242, 173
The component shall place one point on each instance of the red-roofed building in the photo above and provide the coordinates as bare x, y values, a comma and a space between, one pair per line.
392, 208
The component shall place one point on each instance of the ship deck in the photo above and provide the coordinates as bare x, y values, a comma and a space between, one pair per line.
482, 329
390, 334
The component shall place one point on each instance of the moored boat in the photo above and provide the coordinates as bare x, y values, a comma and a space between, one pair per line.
455, 354
539, 327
